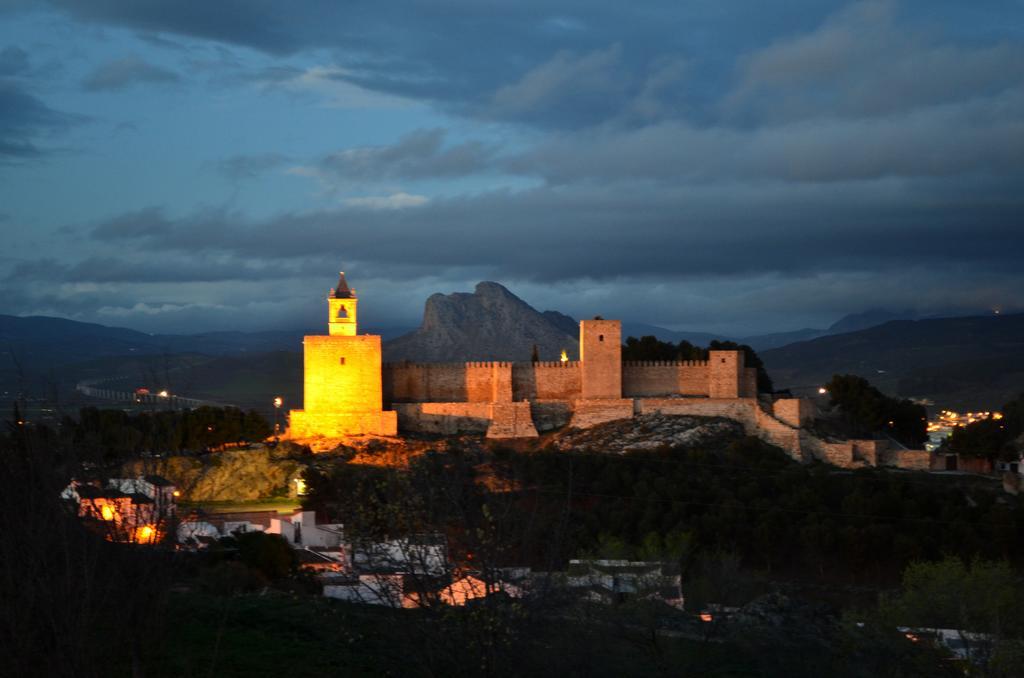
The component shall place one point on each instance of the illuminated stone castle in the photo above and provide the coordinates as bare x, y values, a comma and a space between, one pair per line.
342, 376
347, 387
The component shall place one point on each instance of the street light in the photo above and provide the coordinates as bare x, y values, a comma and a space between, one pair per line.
278, 401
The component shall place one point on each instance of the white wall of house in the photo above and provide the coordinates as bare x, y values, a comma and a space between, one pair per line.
302, 530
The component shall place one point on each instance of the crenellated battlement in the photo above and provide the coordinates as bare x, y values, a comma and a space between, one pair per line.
555, 363
664, 363
408, 364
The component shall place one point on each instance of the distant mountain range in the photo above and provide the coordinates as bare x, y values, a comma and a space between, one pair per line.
968, 362
760, 342
36, 340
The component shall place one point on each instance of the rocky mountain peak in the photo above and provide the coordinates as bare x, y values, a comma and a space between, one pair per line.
492, 323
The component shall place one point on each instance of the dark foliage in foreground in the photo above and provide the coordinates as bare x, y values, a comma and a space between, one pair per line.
748, 499
868, 411
111, 434
72, 603
78, 606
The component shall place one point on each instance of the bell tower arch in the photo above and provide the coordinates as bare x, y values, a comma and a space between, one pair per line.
342, 308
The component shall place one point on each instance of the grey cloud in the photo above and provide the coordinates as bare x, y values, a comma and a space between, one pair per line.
125, 72
560, 234
24, 119
594, 82
860, 62
249, 166
167, 269
271, 75
13, 61
980, 136
459, 54
558, 66
146, 222
419, 155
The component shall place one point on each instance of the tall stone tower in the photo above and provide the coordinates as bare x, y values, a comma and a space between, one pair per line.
601, 357
341, 309
342, 386
725, 375
601, 375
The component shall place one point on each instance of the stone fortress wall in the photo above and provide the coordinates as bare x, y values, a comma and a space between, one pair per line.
406, 382
519, 399
348, 390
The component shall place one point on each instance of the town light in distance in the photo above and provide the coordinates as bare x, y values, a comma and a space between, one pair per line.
564, 357
278, 401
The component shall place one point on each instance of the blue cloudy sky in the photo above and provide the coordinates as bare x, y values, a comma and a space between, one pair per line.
714, 165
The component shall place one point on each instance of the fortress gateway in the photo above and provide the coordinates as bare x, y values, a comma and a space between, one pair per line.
348, 390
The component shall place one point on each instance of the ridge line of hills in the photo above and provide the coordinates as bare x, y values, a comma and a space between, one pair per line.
962, 362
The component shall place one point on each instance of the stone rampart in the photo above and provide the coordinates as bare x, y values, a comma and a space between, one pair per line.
551, 414
869, 452
755, 421
444, 418
741, 410
546, 381
778, 433
642, 379
793, 411
448, 382
511, 420
748, 384
587, 412
835, 453
497, 420
912, 460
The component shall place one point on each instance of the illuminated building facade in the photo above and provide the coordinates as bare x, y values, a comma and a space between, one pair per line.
342, 388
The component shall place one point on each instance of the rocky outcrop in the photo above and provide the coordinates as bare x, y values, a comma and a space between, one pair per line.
652, 432
233, 475
489, 324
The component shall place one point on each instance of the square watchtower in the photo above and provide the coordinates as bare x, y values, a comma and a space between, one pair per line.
601, 358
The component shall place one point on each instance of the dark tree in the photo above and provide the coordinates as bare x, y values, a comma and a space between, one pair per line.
868, 411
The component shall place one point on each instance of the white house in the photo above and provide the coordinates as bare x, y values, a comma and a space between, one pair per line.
302, 530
